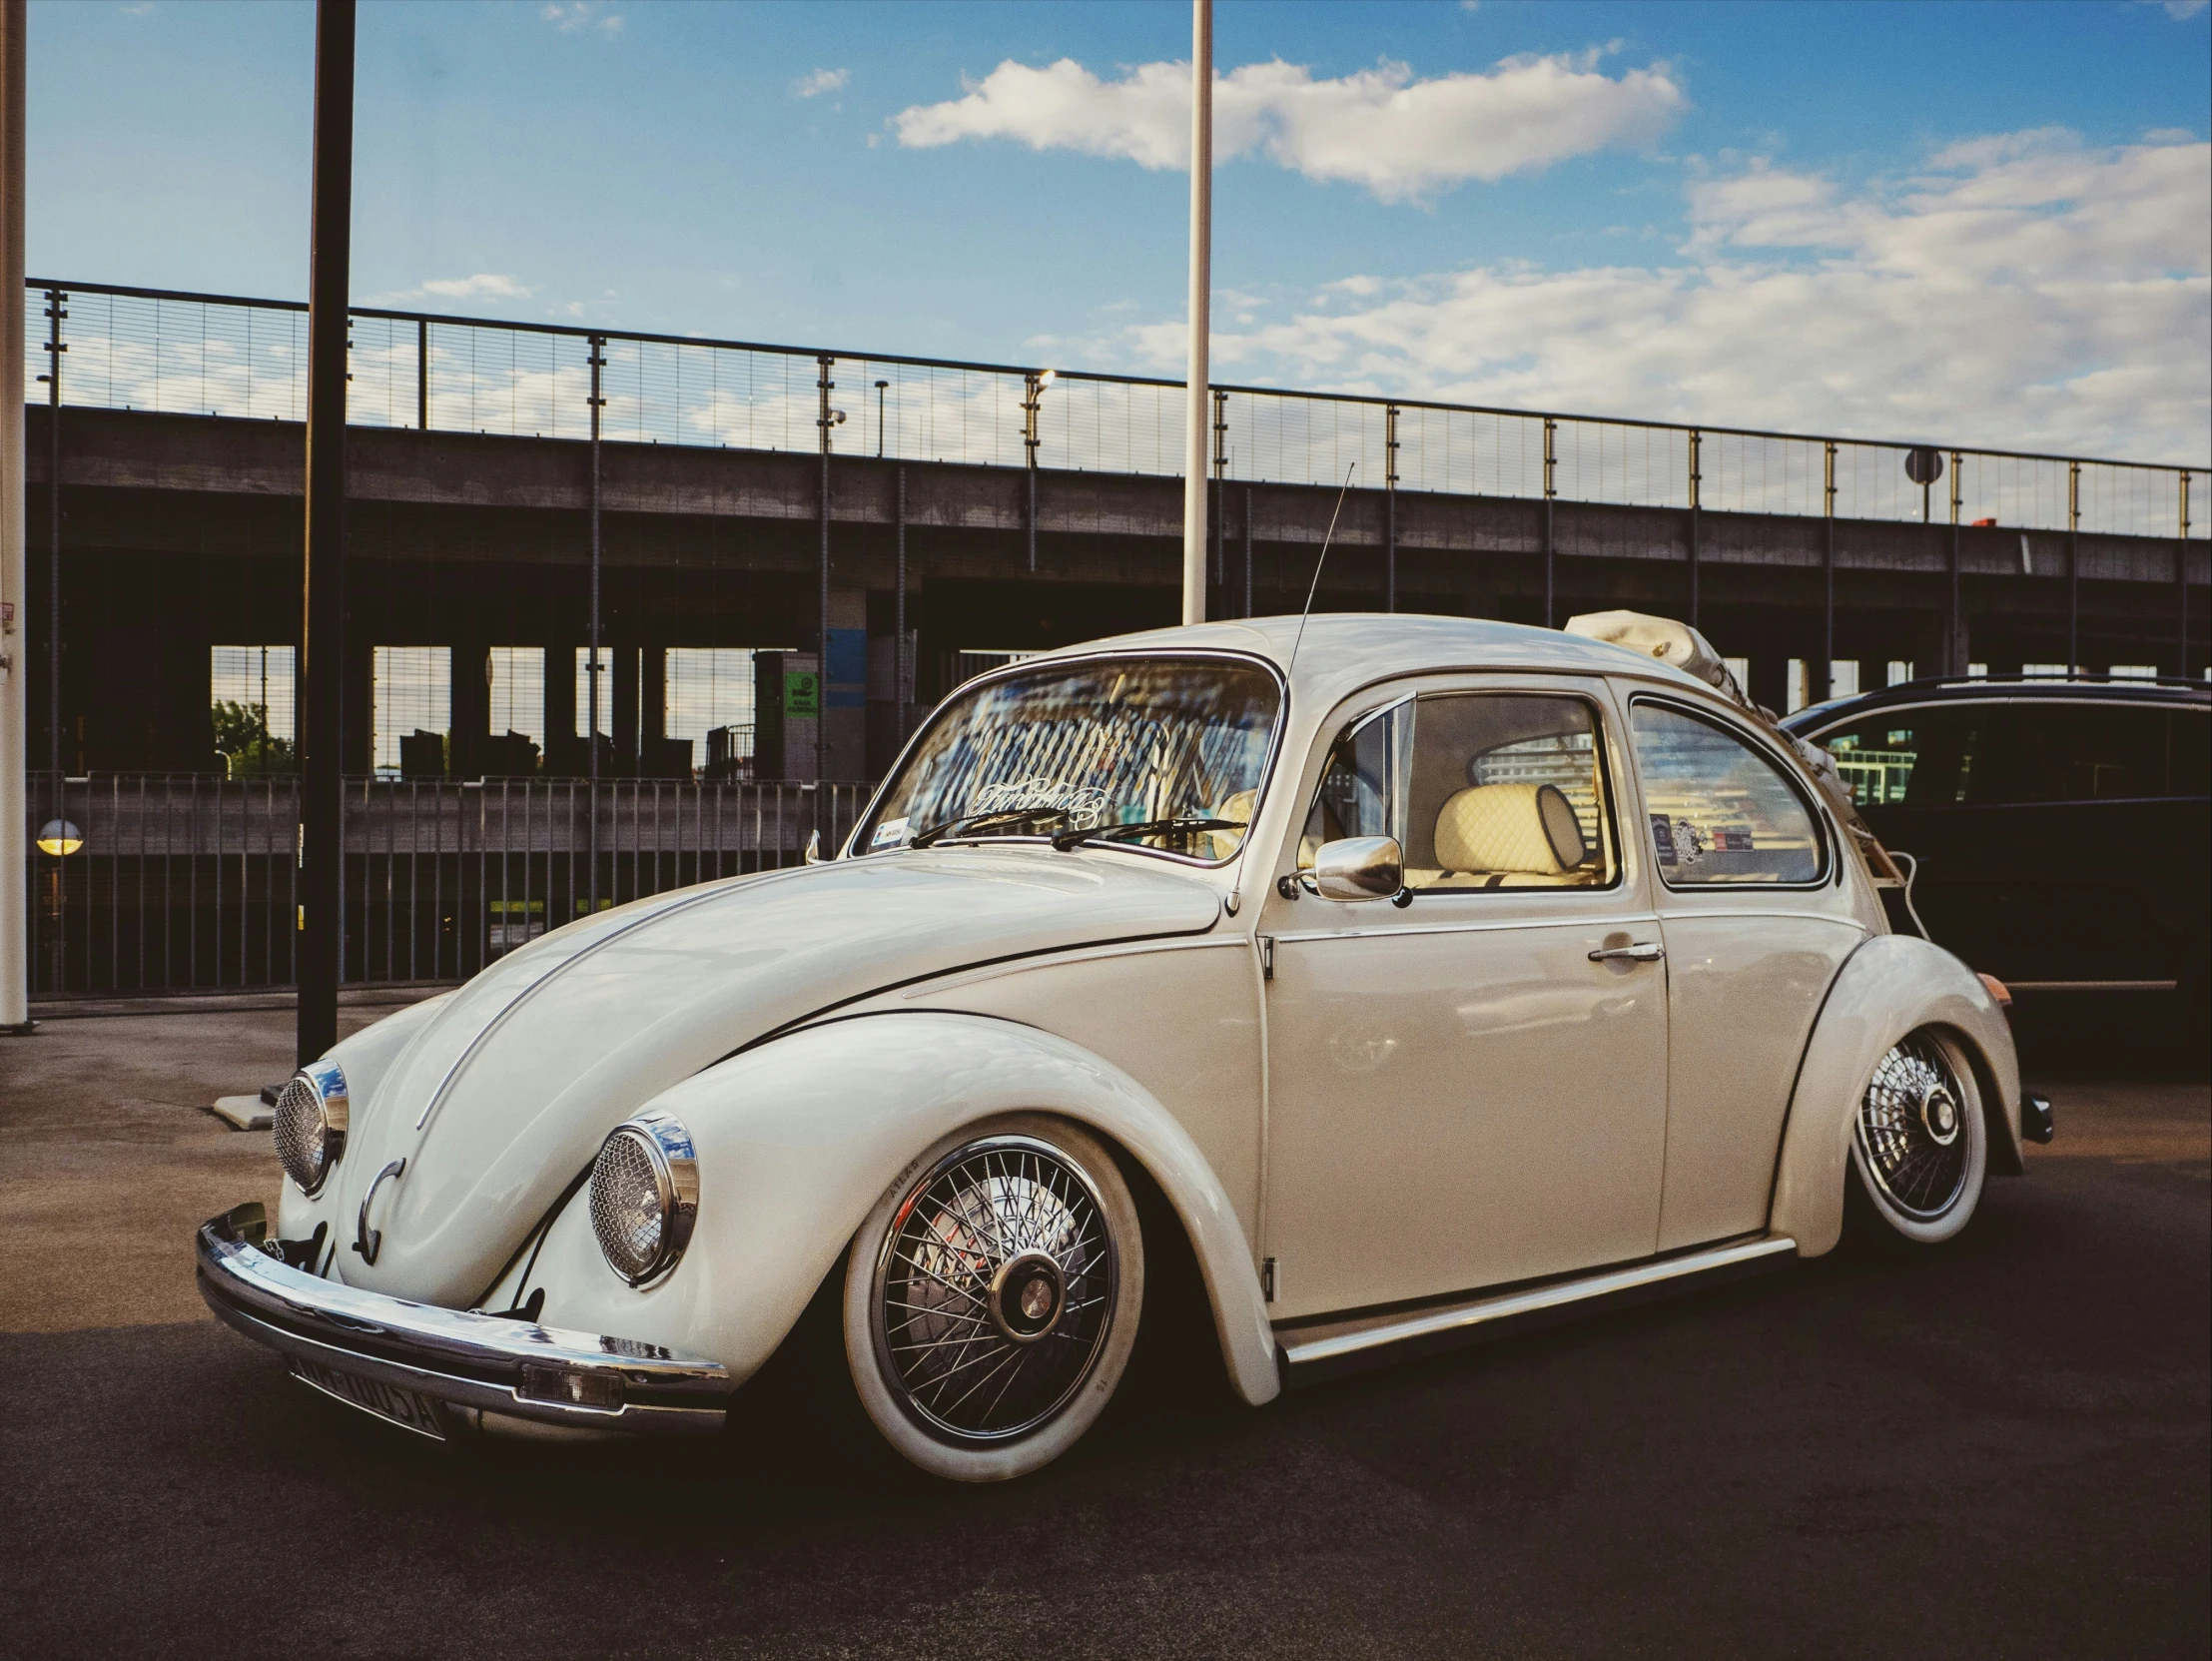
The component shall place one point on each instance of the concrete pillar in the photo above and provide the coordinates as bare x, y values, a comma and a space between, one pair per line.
470, 701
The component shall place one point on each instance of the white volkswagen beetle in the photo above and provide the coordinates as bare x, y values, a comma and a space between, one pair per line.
1413, 976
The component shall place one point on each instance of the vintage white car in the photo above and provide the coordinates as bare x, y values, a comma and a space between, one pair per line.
1391, 979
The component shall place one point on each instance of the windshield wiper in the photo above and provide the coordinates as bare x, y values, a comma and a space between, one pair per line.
973, 822
1066, 839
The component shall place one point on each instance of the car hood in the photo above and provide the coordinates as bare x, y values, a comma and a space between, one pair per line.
501, 1099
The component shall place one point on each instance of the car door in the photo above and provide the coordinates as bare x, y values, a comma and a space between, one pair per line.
1756, 923
1463, 1089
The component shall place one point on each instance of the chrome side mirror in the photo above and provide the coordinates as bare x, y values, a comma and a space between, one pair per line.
1359, 868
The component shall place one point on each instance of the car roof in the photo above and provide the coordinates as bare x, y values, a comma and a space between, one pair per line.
2010, 688
1342, 651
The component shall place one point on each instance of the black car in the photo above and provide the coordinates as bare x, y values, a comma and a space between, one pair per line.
2059, 826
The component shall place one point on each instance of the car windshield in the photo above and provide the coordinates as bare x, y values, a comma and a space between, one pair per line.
1167, 743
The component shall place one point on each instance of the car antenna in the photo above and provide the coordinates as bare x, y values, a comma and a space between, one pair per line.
1315, 586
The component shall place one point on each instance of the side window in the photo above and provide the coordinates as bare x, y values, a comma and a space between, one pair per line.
2048, 751
1363, 787
1911, 758
1506, 791
1720, 811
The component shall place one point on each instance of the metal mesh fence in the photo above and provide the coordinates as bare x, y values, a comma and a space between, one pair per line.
189, 883
206, 355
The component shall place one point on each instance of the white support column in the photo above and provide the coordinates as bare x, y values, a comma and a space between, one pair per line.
15, 671
1195, 408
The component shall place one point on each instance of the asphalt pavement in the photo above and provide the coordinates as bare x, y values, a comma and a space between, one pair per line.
2003, 1450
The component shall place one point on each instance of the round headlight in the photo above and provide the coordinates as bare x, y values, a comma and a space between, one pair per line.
644, 1196
309, 1122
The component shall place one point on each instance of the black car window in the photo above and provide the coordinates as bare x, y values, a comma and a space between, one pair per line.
2051, 751
1911, 758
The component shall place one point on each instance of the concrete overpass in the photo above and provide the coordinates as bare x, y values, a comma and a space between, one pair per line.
182, 530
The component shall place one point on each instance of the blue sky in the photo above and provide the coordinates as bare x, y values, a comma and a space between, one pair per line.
1992, 223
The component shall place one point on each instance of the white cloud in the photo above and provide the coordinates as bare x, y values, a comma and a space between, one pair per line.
821, 81
2181, 10
569, 16
483, 286
1380, 128
2023, 291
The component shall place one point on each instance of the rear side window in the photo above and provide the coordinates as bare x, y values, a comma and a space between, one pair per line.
2047, 751
1720, 812
1911, 758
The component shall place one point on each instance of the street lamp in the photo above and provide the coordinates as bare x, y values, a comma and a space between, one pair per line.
59, 838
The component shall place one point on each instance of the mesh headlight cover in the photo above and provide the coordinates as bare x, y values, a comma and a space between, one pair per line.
308, 1124
644, 1196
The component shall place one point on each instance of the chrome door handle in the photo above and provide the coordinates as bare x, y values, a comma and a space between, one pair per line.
1647, 951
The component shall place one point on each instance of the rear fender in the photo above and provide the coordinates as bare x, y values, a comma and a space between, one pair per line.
1891, 985
796, 1141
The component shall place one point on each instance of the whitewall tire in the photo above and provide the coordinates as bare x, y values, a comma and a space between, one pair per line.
1920, 1141
992, 1298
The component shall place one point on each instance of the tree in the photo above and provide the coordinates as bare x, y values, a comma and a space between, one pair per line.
241, 738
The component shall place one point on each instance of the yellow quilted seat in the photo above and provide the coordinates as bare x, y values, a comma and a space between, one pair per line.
1496, 835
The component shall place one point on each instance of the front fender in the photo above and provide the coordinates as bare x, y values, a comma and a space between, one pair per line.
1891, 985
798, 1138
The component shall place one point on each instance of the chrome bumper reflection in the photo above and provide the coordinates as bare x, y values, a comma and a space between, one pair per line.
495, 1365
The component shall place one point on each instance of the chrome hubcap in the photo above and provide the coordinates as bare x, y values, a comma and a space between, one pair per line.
994, 1290
1026, 1297
1909, 1130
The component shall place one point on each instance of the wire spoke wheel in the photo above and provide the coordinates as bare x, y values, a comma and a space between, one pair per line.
1915, 1142
995, 1289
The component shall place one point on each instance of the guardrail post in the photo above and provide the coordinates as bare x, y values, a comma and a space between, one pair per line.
2181, 577
1390, 509
1955, 656
1697, 480
1825, 679
1247, 550
1033, 390
422, 375
1551, 480
1221, 498
2073, 566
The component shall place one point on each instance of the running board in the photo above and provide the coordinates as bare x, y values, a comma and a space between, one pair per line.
1330, 1348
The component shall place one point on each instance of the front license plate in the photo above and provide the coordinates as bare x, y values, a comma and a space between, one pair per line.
409, 1408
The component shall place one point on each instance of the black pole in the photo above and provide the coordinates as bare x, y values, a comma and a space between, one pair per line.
1551, 455
1697, 480
55, 311
323, 578
822, 632
597, 347
2073, 567
1247, 550
900, 683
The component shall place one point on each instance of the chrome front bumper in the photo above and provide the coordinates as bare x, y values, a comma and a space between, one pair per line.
469, 1364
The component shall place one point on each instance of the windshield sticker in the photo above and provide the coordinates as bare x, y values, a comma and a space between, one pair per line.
1084, 804
890, 834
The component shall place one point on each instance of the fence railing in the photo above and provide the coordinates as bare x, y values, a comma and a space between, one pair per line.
143, 883
145, 348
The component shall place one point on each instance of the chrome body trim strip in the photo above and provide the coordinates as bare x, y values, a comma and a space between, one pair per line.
1463, 1319
711, 890
455, 1357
